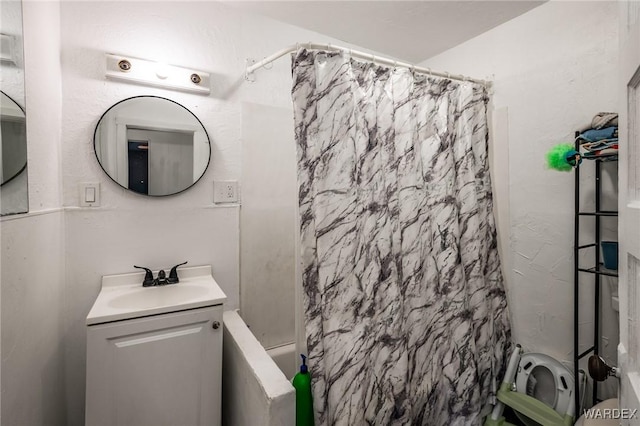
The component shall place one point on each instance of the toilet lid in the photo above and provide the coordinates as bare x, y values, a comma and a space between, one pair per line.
545, 379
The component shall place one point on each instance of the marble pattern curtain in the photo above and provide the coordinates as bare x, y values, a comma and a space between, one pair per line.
405, 309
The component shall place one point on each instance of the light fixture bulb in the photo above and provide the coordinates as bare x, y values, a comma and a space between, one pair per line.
162, 70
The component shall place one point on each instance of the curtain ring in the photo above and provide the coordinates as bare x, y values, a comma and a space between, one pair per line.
429, 71
373, 58
297, 46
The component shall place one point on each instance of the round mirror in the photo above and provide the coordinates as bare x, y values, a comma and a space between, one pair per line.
151, 145
13, 139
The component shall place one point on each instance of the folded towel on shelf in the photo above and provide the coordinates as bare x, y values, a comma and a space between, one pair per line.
599, 145
604, 119
593, 154
601, 140
601, 120
601, 148
606, 156
594, 135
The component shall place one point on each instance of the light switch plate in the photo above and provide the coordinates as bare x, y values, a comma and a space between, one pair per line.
89, 193
225, 191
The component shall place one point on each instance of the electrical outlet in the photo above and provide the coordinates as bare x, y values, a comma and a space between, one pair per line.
225, 191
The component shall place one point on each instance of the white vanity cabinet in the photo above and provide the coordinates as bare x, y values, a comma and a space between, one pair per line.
155, 368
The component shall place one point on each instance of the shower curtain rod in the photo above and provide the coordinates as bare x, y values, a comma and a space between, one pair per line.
362, 55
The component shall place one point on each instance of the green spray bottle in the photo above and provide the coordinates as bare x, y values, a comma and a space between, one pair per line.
304, 400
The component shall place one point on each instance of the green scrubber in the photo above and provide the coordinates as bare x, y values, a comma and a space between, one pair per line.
562, 157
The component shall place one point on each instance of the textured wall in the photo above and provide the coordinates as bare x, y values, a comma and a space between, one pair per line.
32, 328
554, 68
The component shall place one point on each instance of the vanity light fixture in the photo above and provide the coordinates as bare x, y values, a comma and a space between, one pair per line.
152, 73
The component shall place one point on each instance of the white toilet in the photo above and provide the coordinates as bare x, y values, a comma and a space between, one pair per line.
547, 380
551, 384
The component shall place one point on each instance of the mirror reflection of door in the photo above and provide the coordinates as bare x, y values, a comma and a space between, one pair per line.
169, 161
138, 166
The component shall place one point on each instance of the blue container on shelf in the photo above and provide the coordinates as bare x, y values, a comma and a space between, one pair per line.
610, 254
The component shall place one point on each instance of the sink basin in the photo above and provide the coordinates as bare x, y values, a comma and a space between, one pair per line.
152, 297
123, 297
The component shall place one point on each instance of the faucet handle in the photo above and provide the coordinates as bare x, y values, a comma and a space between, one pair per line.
173, 275
161, 279
148, 278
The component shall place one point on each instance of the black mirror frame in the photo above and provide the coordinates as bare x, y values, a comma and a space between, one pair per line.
95, 152
26, 160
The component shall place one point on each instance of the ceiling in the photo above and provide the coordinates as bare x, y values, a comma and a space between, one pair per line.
412, 31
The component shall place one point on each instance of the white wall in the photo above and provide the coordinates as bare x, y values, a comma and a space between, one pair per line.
553, 69
32, 329
267, 231
32, 255
254, 390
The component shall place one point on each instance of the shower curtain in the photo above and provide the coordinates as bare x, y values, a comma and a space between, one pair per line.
405, 310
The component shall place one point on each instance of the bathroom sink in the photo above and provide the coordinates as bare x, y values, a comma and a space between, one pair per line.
123, 297
157, 296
